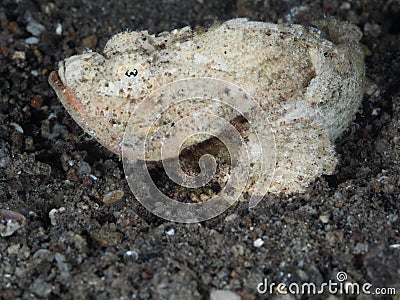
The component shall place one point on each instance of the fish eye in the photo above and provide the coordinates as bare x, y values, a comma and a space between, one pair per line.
127, 68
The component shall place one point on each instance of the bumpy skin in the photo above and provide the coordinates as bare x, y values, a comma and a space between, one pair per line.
309, 81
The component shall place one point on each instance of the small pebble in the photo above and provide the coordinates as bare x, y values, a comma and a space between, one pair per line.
41, 253
10, 222
36, 102
5, 158
231, 218
324, 219
40, 288
308, 209
237, 250
376, 111
345, 6
170, 232
35, 27
113, 196
93, 177
53, 213
13, 249
45, 130
14, 27
224, 295
62, 265
17, 127
4, 50
29, 144
38, 56
32, 40
131, 255
58, 29
83, 169
19, 55
258, 243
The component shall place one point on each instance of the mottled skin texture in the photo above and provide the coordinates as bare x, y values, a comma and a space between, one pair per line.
310, 82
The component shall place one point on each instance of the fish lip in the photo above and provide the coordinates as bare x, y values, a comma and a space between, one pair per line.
57, 78
61, 91
55, 81
61, 72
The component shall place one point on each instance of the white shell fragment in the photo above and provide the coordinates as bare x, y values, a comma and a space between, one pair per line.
258, 243
309, 80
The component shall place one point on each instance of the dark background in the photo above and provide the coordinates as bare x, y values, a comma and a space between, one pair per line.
345, 222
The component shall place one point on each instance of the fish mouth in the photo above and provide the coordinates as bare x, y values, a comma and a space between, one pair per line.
74, 106
55, 81
63, 92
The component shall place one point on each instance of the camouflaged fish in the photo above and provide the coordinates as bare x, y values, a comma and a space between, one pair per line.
309, 80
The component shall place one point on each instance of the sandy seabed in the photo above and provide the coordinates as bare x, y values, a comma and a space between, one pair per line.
72, 245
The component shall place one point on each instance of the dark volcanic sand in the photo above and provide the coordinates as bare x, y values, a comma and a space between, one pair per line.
346, 222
